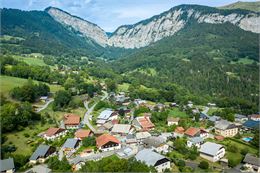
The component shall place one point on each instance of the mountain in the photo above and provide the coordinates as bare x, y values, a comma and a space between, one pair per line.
158, 27
252, 6
39, 32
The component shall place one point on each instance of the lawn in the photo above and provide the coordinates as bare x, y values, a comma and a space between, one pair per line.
8, 82
175, 112
123, 87
30, 60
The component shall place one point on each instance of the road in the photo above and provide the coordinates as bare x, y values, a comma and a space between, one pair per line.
96, 156
205, 111
88, 114
45, 105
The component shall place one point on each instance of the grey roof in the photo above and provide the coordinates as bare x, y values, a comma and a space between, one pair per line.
142, 135
239, 116
104, 115
210, 148
154, 141
224, 124
121, 128
108, 125
40, 152
130, 136
252, 160
70, 143
39, 169
196, 140
6, 164
148, 156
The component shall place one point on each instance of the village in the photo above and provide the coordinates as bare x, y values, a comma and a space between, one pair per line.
129, 130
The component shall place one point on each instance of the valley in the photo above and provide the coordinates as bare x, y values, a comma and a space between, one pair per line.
170, 88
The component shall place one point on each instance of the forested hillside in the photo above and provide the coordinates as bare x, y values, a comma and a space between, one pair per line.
213, 61
252, 6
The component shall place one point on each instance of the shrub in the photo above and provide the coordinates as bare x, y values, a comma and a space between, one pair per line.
204, 165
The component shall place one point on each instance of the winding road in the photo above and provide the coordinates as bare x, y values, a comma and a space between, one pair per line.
45, 105
88, 114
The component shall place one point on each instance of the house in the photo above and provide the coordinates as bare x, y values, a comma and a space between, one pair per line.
130, 139
7, 165
240, 118
214, 119
196, 141
39, 169
211, 104
42, 153
122, 129
71, 121
172, 121
107, 142
151, 158
156, 143
82, 133
143, 123
166, 135
212, 151
54, 133
204, 133
71, 145
204, 116
139, 102
254, 117
251, 125
107, 126
140, 136
225, 128
105, 116
192, 132
251, 163
179, 130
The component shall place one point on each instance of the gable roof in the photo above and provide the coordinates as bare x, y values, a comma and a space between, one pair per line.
104, 115
81, 133
41, 151
172, 119
121, 128
210, 148
252, 124
145, 122
53, 131
252, 160
70, 143
142, 135
179, 130
224, 124
149, 157
6, 164
71, 119
196, 140
105, 138
192, 131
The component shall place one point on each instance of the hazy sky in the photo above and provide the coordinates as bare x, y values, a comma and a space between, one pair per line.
109, 14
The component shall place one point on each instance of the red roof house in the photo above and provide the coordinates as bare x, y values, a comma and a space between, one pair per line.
71, 121
107, 142
53, 133
81, 134
192, 132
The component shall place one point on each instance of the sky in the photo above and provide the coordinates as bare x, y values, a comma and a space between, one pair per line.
110, 14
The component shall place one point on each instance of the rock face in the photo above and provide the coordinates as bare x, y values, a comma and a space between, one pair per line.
158, 27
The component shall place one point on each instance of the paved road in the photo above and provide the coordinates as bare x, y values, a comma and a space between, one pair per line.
45, 105
96, 156
88, 114
205, 111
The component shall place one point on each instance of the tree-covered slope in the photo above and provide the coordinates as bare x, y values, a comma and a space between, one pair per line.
206, 59
41, 33
252, 6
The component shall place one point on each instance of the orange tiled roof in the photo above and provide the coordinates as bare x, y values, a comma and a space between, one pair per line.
53, 131
219, 138
71, 119
145, 122
81, 133
192, 131
105, 138
179, 130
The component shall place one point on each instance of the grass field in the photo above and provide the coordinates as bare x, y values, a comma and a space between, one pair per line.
7, 83
175, 112
30, 60
123, 87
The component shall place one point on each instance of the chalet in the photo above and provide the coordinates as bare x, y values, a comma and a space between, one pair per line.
82, 133
212, 151
156, 143
143, 123
71, 121
251, 163
54, 133
130, 139
240, 118
196, 141
172, 121
192, 132
151, 158
107, 142
251, 125
42, 153
225, 128
7, 165
214, 119
121, 129
254, 117
140, 136
179, 131
71, 145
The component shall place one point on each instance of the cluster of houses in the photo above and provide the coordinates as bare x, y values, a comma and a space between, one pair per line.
137, 138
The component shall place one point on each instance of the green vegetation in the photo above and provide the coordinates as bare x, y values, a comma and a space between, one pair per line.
59, 166
89, 141
175, 112
252, 6
31, 60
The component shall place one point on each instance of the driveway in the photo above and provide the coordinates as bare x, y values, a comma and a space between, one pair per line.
45, 105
